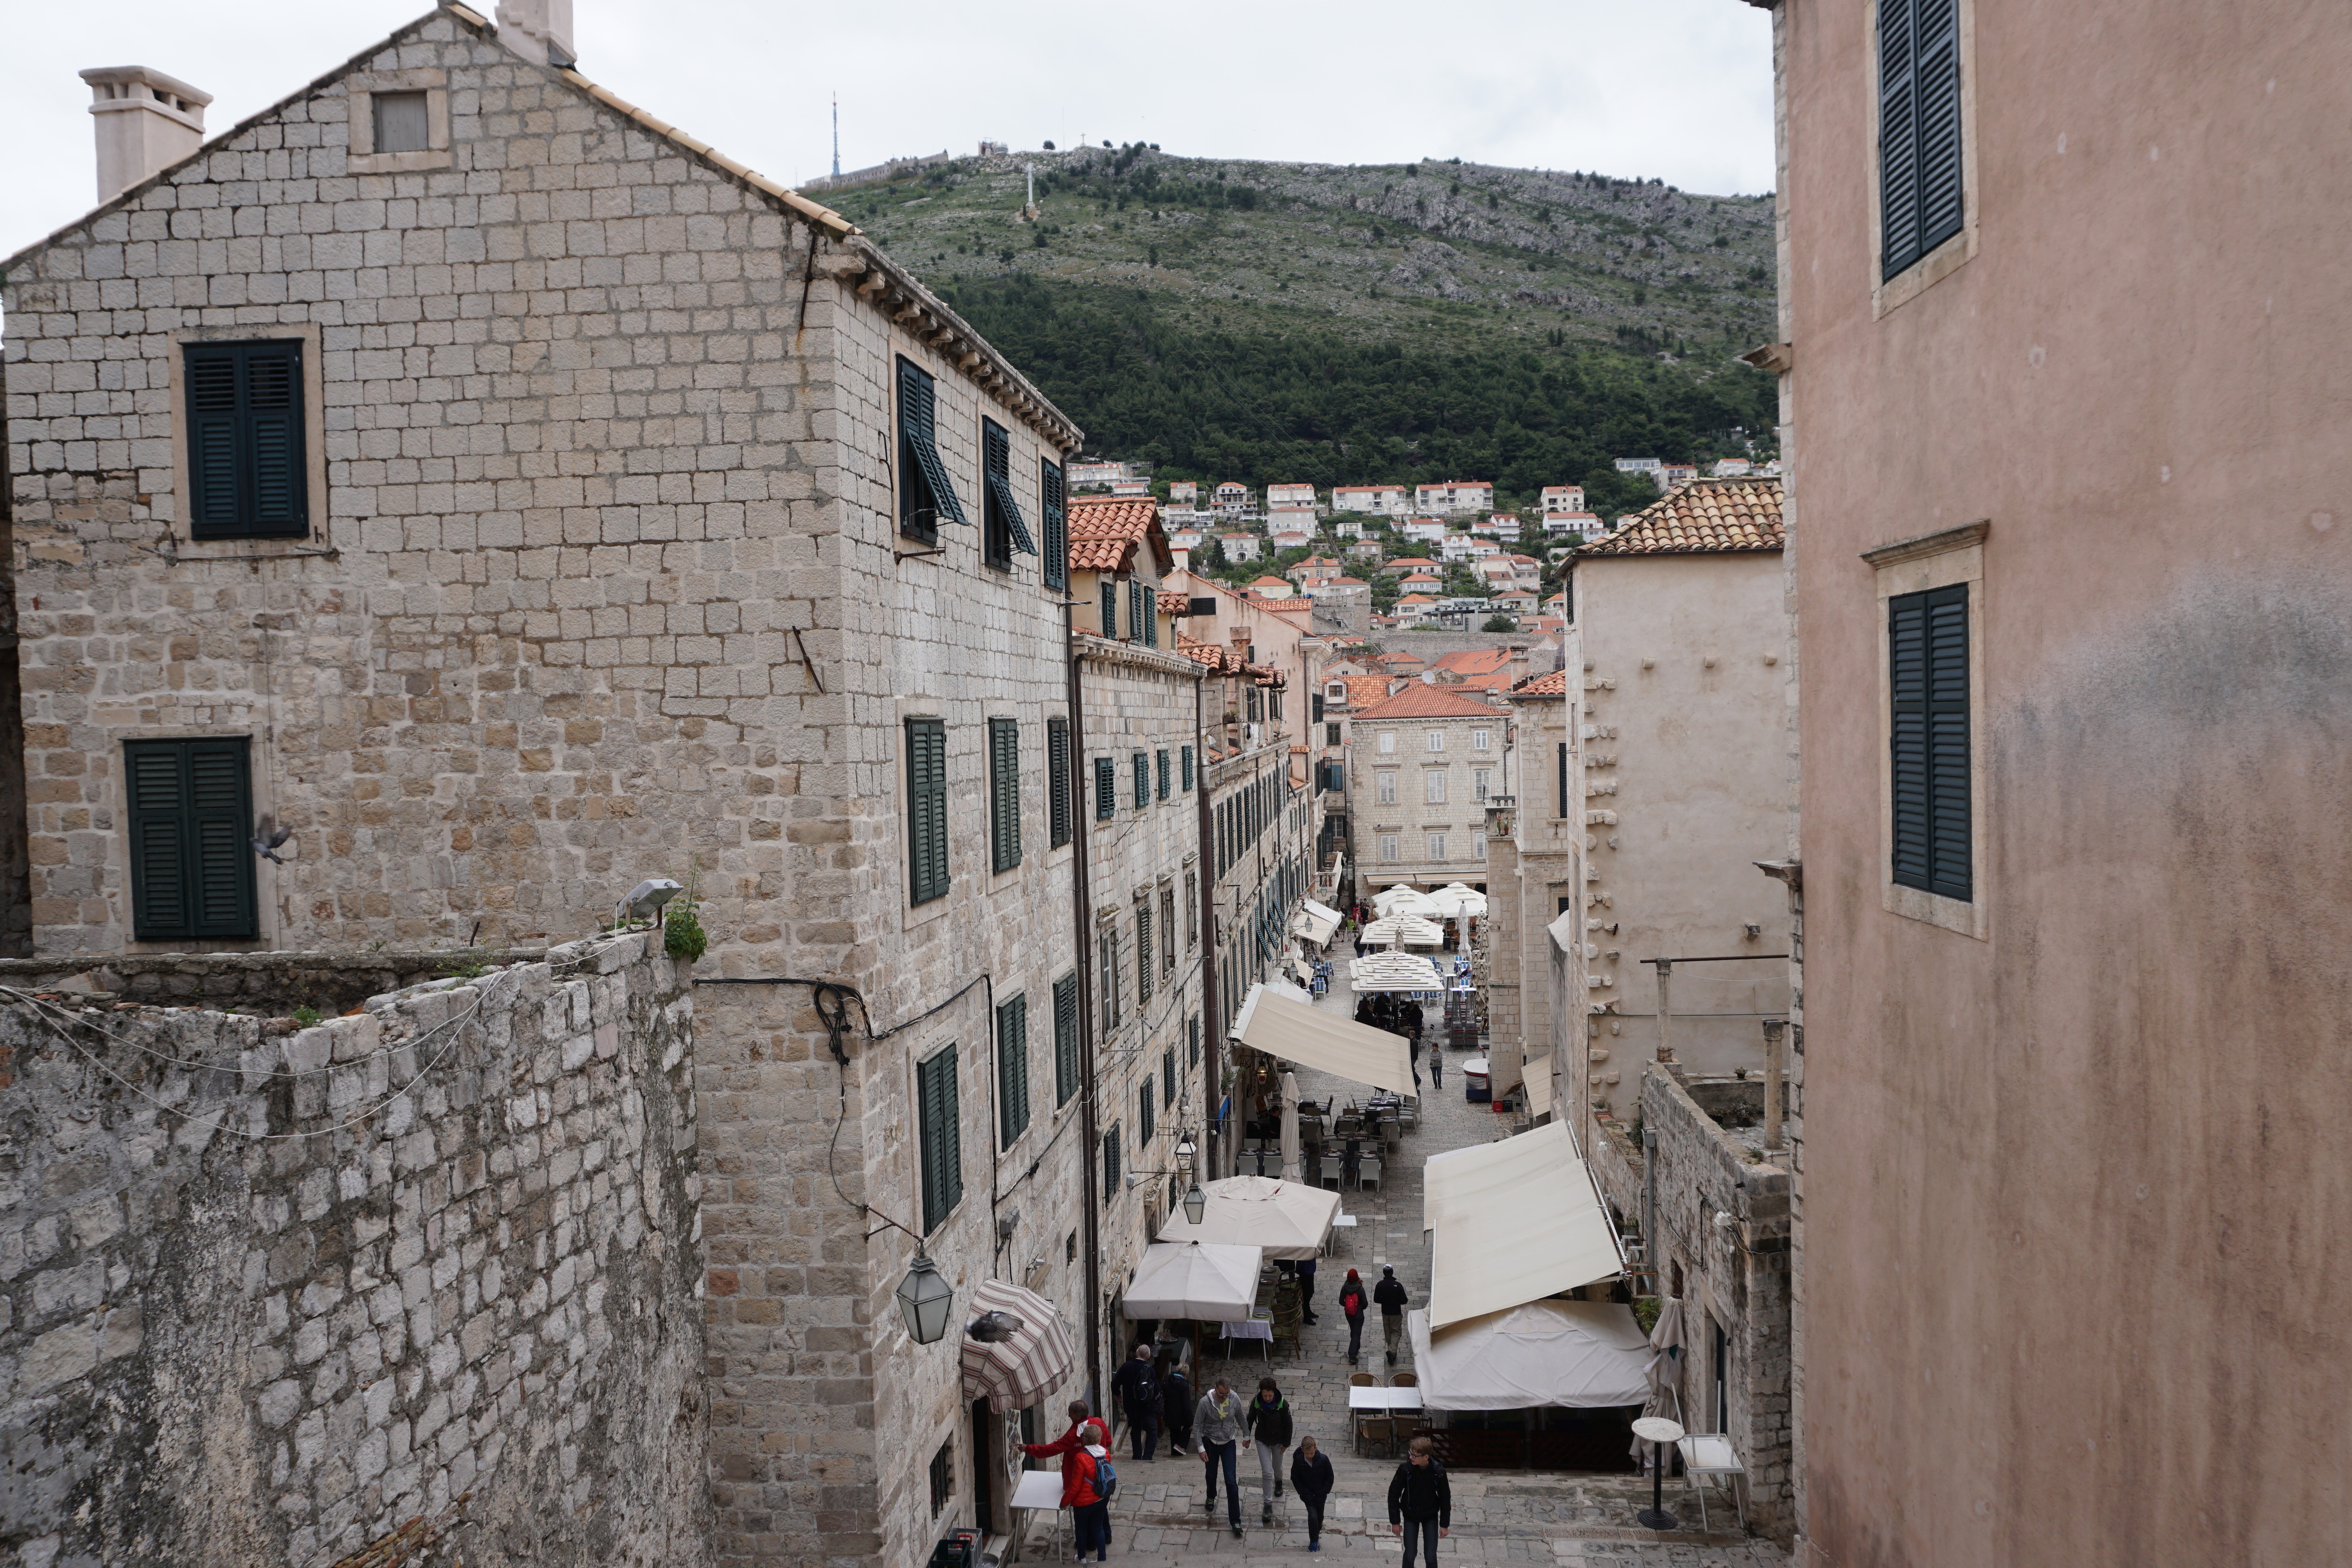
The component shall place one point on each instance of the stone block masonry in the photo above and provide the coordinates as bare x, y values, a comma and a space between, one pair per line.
269, 1292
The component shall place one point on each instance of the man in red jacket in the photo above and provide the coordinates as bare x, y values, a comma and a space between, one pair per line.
1079, 1448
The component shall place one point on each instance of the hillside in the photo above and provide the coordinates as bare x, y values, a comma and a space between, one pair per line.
1269, 321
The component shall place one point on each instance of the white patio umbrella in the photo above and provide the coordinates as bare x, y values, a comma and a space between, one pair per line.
1402, 900
1394, 972
1409, 930
1665, 1361
1194, 1279
1291, 1153
1288, 1218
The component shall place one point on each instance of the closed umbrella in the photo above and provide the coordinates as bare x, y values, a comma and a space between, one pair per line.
1290, 1150
1665, 1363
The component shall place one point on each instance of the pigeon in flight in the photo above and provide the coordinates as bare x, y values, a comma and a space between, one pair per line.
267, 837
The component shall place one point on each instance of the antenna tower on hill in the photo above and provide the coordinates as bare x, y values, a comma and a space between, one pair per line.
836, 136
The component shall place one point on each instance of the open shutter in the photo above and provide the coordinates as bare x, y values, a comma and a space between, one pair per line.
918, 432
1004, 792
1065, 1039
1186, 755
1159, 772
1056, 523
1142, 780
996, 459
1109, 608
927, 809
1134, 611
935, 1086
1013, 1069
1057, 780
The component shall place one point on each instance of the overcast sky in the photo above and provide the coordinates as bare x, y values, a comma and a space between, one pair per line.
1680, 90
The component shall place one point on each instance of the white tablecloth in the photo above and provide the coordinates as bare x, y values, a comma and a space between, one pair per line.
1360, 1398
1256, 1328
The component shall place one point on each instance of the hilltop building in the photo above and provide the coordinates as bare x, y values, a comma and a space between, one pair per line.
1383, 500
1455, 497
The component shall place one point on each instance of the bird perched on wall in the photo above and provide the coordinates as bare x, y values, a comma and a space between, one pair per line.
267, 837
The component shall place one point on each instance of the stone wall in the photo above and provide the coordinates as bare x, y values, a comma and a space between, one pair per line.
267, 1292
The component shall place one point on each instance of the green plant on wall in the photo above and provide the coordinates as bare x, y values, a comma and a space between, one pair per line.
683, 937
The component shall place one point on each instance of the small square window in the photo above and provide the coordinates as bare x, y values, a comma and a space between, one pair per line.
400, 121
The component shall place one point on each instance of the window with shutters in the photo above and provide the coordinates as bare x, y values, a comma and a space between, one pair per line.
1012, 1070
1160, 771
1330, 735
1923, 143
1136, 607
1142, 957
927, 809
1167, 931
1184, 768
1109, 607
1002, 529
1058, 813
1146, 1120
1436, 740
1387, 742
1055, 523
1004, 792
1386, 790
1387, 849
1193, 1038
1142, 780
248, 467
1928, 681
1110, 1162
1432, 787
1106, 788
399, 122
1168, 1077
190, 815
1192, 910
926, 496
1437, 846
1065, 1039
941, 1137
1930, 592
1563, 781
1107, 981
1482, 781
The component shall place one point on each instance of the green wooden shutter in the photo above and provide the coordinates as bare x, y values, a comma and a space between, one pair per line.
1928, 654
1145, 1124
1136, 614
1142, 957
248, 476
1106, 978
1151, 610
1057, 781
1918, 128
1168, 1076
1160, 771
1065, 1039
1013, 1069
923, 475
1110, 1164
1142, 780
1004, 791
1006, 529
927, 809
1109, 607
1056, 523
1106, 788
190, 816
1185, 754
935, 1088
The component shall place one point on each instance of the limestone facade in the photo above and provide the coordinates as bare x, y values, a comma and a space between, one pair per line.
603, 577
1426, 761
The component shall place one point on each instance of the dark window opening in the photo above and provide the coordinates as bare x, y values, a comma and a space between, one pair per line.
1003, 531
400, 121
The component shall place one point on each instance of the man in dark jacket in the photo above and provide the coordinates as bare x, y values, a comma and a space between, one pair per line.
1139, 1396
1311, 1478
1390, 1294
1176, 1407
1306, 1269
1267, 1424
1420, 1504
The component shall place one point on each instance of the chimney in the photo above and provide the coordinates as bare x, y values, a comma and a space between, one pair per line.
538, 30
146, 121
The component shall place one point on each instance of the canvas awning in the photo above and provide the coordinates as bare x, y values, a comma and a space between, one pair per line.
1538, 1085
1323, 1038
1412, 930
1016, 1373
1209, 1281
1513, 1222
1314, 922
1288, 1218
1581, 1354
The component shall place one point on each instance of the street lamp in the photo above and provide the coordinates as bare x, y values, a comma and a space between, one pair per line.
925, 1300
1196, 1202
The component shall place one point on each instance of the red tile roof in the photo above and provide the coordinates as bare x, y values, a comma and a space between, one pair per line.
1364, 691
1554, 685
1701, 517
1105, 530
1175, 603
1473, 661
1421, 700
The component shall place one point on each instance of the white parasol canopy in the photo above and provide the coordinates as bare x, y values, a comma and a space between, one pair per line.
1402, 900
1197, 1280
1394, 972
1411, 930
1288, 1218
1581, 1354
1662, 1371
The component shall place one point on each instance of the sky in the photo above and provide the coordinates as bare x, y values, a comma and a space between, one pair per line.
1676, 90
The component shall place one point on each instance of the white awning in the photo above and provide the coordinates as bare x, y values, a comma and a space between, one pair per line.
1314, 922
1540, 1091
1513, 1222
1203, 1280
1581, 1354
1323, 1038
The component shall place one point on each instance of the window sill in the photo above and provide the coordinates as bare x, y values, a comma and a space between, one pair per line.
1934, 909
1923, 274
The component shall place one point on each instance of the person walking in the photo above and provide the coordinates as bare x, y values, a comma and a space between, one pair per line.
1267, 1424
1351, 1307
1139, 1394
1437, 1065
1176, 1407
1218, 1419
1421, 1502
1310, 1477
1390, 1294
1079, 1448
1305, 1289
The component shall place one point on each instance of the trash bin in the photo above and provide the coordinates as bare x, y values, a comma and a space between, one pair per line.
960, 1550
1473, 1081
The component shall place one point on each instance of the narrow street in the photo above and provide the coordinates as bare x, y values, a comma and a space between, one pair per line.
1499, 1516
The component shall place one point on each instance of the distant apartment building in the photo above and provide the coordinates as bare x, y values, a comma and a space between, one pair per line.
1289, 538
1673, 474
1455, 497
1279, 495
1233, 500
1731, 467
1429, 530
1588, 524
1420, 582
1563, 498
1240, 547
1345, 528
1130, 489
1501, 526
1455, 547
1384, 500
1426, 760
1315, 569
1101, 473
1484, 549
1647, 465
1291, 519
1406, 565
1186, 537
1184, 493
1269, 588
1527, 569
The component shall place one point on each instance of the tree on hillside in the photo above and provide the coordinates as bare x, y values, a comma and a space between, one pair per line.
1498, 624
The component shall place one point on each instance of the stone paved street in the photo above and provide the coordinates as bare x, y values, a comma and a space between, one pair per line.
1499, 1516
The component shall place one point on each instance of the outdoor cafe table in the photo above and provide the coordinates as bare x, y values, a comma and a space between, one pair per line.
1388, 1399
1040, 1491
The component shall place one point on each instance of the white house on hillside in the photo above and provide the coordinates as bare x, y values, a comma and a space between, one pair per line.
1280, 496
1455, 497
1239, 547
1431, 529
1388, 500
1563, 498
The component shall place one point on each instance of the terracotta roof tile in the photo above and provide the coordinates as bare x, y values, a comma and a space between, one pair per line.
1702, 516
1421, 700
1364, 691
1554, 685
1175, 603
1473, 661
1105, 530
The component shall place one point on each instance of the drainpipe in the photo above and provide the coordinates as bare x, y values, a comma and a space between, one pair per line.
1666, 1010
1082, 917
1206, 1162
1775, 1033
1650, 1248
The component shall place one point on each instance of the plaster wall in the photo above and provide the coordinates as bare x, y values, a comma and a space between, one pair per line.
1682, 723
2128, 1091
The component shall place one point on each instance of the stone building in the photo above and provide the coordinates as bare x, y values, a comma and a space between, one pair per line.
512, 497
1535, 836
1426, 760
1680, 629
2074, 599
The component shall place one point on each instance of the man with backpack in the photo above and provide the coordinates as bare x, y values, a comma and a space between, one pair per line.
1421, 1502
1390, 1294
1176, 1407
1138, 1393
1352, 1306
